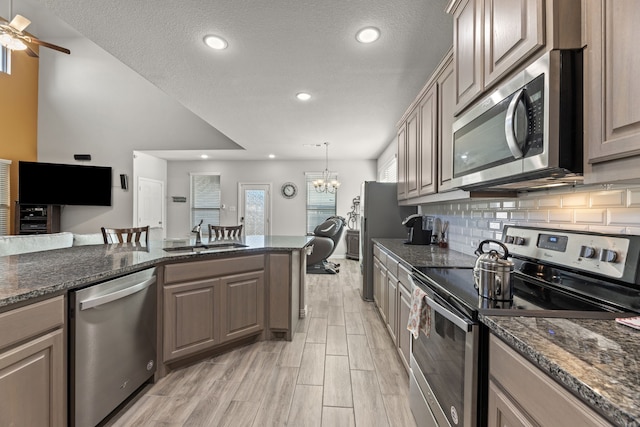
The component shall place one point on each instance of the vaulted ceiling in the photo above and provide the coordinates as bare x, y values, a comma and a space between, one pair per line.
277, 48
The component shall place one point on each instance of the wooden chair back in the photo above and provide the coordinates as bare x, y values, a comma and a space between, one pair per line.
225, 231
126, 235
234, 232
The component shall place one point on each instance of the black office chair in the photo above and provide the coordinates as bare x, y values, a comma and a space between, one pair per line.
326, 238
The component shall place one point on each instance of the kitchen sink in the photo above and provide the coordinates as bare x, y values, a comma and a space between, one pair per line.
210, 247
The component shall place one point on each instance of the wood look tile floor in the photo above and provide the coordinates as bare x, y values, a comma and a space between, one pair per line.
340, 369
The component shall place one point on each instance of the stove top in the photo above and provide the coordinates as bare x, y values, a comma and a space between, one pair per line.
557, 274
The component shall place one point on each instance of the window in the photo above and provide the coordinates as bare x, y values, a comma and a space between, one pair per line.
5, 60
320, 206
4, 196
205, 199
389, 171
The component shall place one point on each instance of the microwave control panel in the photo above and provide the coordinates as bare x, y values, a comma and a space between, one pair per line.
601, 254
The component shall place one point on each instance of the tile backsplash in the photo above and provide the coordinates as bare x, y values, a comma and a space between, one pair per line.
610, 209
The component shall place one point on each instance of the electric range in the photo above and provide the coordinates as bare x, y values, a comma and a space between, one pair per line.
557, 273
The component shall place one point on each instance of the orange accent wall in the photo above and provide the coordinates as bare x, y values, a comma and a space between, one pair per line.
19, 116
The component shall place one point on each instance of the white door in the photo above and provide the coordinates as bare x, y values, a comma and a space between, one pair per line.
255, 209
151, 205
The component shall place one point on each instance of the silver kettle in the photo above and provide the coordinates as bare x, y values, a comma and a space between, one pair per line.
492, 273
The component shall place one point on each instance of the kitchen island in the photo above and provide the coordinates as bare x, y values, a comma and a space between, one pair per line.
209, 300
30, 276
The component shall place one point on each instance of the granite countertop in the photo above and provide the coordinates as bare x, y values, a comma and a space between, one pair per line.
426, 255
37, 274
598, 360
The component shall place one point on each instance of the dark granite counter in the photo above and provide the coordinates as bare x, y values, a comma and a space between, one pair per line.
426, 255
598, 360
37, 274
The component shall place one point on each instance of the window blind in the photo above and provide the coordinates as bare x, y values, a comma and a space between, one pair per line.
5, 166
320, 206
389, 171
205, 199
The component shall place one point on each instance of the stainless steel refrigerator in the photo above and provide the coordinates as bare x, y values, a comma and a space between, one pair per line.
380, 216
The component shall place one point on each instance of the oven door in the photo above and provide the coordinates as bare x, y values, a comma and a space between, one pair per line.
444, 364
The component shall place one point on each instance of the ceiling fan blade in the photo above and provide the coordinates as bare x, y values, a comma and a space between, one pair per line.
19, 23
31, 52
49, 45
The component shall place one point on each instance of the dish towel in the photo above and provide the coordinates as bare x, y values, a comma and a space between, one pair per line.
420, 315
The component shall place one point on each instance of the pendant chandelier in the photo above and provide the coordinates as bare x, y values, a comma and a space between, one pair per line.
326, 184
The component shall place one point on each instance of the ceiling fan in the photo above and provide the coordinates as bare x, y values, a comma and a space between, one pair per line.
13, 36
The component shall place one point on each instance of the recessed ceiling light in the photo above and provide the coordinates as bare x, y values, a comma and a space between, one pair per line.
303, 96
216, 42
272, 156
204, 156
368, 35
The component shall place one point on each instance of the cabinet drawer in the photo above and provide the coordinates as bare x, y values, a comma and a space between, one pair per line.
403, 278
376, 251
26, 322
392, 265
212, 268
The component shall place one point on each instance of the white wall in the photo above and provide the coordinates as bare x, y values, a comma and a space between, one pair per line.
288, 216
91, 103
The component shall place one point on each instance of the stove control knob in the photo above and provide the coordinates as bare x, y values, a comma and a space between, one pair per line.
608, 255
509, 239
587, 252
519, 241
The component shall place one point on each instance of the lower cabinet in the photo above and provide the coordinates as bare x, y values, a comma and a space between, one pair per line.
242, 305
520, 394
191, 318
32, 365
404, 308
392, 295
211, 302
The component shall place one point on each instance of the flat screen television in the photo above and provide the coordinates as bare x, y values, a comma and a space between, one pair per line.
60, 184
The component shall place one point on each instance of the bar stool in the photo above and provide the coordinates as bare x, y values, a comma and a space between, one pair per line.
225, 231
122, 235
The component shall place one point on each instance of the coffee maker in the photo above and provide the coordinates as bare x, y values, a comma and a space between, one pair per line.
420, 229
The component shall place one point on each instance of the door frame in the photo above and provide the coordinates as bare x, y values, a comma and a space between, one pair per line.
268, 208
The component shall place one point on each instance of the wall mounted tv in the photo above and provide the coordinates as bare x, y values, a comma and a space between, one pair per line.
60, 184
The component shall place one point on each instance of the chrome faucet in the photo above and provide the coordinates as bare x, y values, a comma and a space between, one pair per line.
198, 230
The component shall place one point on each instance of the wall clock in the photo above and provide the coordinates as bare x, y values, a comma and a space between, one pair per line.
289, 190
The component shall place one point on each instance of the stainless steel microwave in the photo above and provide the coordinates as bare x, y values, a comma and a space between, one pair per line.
527, 134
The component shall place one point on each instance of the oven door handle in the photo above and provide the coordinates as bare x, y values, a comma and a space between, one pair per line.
446, 313
509, 131
449, 315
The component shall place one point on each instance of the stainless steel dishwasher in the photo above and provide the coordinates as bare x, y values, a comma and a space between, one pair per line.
112, 344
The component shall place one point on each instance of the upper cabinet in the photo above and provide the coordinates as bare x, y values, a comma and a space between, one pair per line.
425, 138
612, 90
492, 38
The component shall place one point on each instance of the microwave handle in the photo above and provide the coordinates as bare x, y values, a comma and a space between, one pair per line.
509, 132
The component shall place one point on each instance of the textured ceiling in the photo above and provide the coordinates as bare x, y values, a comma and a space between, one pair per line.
276, 49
